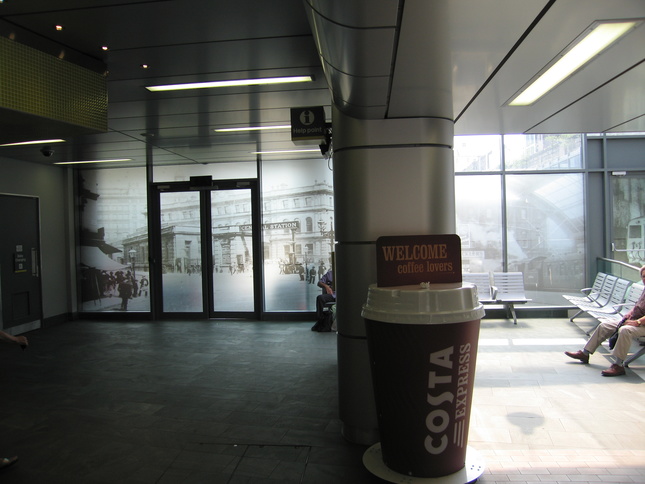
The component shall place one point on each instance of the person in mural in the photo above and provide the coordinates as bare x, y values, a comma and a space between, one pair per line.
321, 269
630, 327
111, 284
312, 274
103, 279
126, 287
143, 286
22, 341
301, 272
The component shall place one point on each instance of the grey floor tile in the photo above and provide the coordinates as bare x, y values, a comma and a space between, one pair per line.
256, 402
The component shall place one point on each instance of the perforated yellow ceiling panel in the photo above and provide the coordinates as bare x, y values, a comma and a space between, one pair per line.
40, 84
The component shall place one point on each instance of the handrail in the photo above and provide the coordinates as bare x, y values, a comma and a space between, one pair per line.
625, 264
618, 268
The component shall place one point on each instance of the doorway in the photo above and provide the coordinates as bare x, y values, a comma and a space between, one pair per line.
207, 248
21, 302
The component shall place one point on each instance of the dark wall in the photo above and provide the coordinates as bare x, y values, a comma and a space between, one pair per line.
52, 187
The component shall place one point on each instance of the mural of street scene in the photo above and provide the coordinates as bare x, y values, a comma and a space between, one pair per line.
110, 205
297, 241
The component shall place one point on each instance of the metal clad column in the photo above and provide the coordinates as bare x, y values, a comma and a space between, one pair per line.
391, 177
388, 66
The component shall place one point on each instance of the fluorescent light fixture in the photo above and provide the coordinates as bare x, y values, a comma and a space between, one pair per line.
317, 150
92, 161
252, 128
35, 142
602, 35
231, 83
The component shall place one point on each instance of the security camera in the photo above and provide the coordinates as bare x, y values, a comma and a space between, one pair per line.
47, 151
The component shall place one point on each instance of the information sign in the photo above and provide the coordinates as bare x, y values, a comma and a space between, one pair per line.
308, 124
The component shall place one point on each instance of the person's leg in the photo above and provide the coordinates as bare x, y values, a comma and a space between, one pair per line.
602, 332
320, 303
626, 335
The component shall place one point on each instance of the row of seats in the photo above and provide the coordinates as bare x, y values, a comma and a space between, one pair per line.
505, 288
609, 299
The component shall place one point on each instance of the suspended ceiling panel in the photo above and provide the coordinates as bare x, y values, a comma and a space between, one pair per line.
375, 59
561, 24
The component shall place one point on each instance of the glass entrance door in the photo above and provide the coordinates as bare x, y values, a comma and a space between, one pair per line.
232, 251
207, 249
181, 254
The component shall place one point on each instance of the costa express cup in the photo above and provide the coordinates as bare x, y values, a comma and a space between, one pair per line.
422, 344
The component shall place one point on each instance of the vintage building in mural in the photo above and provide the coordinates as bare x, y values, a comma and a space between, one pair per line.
297, 231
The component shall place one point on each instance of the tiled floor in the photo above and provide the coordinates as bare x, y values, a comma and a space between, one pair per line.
542, 417
256, 402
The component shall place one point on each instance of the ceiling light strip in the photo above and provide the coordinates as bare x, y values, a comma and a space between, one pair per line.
279, 152
35, 142
92, 161
231, 83
601, 36
251, 128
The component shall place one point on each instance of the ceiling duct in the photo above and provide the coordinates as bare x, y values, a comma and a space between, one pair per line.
43, 96
356, 43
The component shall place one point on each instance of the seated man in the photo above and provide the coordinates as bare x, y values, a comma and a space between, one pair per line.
329, 295
630, 327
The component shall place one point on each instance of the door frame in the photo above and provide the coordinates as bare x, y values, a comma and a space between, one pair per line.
205, 186
31, 263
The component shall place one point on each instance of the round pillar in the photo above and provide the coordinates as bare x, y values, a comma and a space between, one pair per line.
391, 177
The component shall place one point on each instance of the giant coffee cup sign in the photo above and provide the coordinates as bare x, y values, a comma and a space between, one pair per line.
422, 329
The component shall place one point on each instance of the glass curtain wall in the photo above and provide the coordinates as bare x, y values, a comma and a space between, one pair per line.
519, 199
520, 207
479, 222
628, 202
545, 231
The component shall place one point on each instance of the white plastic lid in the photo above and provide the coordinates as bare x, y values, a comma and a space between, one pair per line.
423, 304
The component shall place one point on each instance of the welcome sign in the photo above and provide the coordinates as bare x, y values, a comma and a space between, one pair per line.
413, 259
